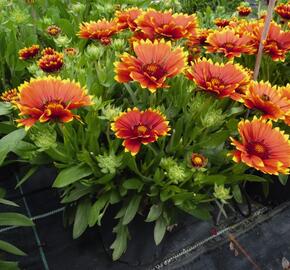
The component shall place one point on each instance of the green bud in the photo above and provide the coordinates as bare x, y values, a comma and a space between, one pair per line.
62, 41
110, 112
77, 8
177, 173
166, 163
108, 163
19, 16
118, 45
174, 171
95, 52
172, 4
222, 193
43, 136
214, 117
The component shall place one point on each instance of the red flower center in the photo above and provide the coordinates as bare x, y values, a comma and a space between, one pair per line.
265, 97
228, 46
154, 70
257, 149
272, 44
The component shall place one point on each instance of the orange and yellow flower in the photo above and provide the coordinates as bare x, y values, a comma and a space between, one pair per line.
51, 62
244, 11
70, 51
277, 44
10, 95
283, 10
157, 24
267, 99
101, 30
263, 147
219, 79
199, 39
220, 22
127, 18
229, 43
198, 160
154, 63
285, 92
53, 30
28, 53
48, 51
50, 99
137, 127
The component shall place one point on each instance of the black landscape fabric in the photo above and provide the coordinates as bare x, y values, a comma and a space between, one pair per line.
260, 241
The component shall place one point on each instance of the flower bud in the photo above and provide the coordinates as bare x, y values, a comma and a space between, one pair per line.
43, 137
222, 193
108, 163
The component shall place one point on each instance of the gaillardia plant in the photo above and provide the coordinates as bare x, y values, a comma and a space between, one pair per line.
165, 118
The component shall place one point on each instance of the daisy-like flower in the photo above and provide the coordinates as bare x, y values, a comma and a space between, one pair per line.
263, 147
220, 22
285, 92
139, 127
199, 39
229, 43
219, 79
198, 160
51, 62
267, 99
244, 11
50, 99
154, 63
101, 30
70, 51
277, 44
156, 24
9, 95
53, 30
28, 53
283, 10
48, 51
127, 18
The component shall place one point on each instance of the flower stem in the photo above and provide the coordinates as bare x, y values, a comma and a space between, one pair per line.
131, 93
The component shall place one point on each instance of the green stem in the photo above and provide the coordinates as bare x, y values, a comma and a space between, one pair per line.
131, 93
152, 149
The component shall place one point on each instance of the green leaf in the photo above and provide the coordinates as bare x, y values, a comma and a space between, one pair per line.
159, 230
81, 218
9, 265
218, 179
3, 201
5, 108
14, 219
6, 127
71, 175
198, 212
94, 215
132, 183
283, 178
11, 249
247, 177
237, 193
76, 193
154, 213
8, 142
132, 209
31, 171
120, 244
